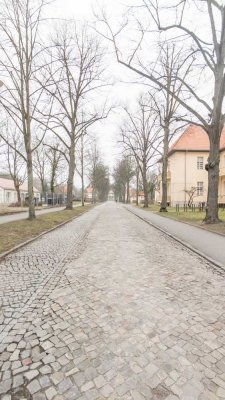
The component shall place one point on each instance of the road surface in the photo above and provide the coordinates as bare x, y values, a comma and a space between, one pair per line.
208, 243
108, 307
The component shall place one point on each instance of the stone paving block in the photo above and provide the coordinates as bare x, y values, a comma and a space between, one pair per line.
50, 393
57, 377
5, 386
106, 390
34, 386
31, 374
87, 322
87, 386
64, 385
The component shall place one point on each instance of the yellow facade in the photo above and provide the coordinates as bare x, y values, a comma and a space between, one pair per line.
184, 173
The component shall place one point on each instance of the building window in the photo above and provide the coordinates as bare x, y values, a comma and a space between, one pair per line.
199, 188
200, 161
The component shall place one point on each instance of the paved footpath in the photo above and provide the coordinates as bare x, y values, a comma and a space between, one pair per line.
23, 215
108, 307
208, 243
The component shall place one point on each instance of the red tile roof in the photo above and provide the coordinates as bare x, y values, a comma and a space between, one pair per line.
195, 138
9, 185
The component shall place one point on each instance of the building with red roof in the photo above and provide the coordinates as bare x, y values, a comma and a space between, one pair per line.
186, 167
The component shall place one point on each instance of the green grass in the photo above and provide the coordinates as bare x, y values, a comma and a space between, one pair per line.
194, 218
17, 232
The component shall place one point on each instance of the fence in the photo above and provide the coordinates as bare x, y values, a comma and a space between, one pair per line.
195, 207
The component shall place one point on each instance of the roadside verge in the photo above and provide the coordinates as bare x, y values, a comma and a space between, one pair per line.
16, 234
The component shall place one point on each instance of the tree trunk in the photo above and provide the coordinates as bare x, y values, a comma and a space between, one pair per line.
69, 205
30, 186
124, 194
82, 190
82, 172
212, 167
163, 207
137, 188
52, 187
128, 192
145, 188
17, 187
214, 133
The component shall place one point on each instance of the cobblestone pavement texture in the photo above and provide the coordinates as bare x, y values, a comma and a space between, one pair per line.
107, 307
193, 236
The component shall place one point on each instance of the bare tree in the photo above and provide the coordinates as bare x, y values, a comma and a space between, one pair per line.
141, 136
191, 194
82, 156
56, 159
94, 159
74, 72
20, 55
208, 65
12, 147
152, 184
137, 175
123, 173
166, 106
41, 166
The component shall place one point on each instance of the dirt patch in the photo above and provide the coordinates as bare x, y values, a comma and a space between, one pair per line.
161, 393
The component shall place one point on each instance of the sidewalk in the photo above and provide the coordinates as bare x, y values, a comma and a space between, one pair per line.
23, 215
207, 243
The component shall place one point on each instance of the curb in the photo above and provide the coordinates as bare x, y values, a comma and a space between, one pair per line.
19, 246
185, 244
189, 223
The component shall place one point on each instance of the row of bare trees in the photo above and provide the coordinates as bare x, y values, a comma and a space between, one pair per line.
48, 89
127, 174
195, 82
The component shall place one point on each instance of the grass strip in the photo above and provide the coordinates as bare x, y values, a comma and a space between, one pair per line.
14, 233
194, 218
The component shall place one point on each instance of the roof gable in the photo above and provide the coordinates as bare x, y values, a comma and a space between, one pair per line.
9, 185
194, 138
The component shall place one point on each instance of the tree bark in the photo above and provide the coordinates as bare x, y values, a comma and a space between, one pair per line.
124, 194
214, 134
82, 171
69, 205
31, 203
212, 167
163, 207
145, 187
17, 187
137, 187
128, 192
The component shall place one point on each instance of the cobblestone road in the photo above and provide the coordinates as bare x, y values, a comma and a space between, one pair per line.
107, 307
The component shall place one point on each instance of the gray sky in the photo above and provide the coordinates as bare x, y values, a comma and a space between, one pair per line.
118, 93
121, 92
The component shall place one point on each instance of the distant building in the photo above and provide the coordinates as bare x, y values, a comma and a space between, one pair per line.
88, 194
133, 196
186, 168
8, 193
111, 196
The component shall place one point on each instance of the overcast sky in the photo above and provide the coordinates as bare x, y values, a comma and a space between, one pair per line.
119, 93
123, 91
